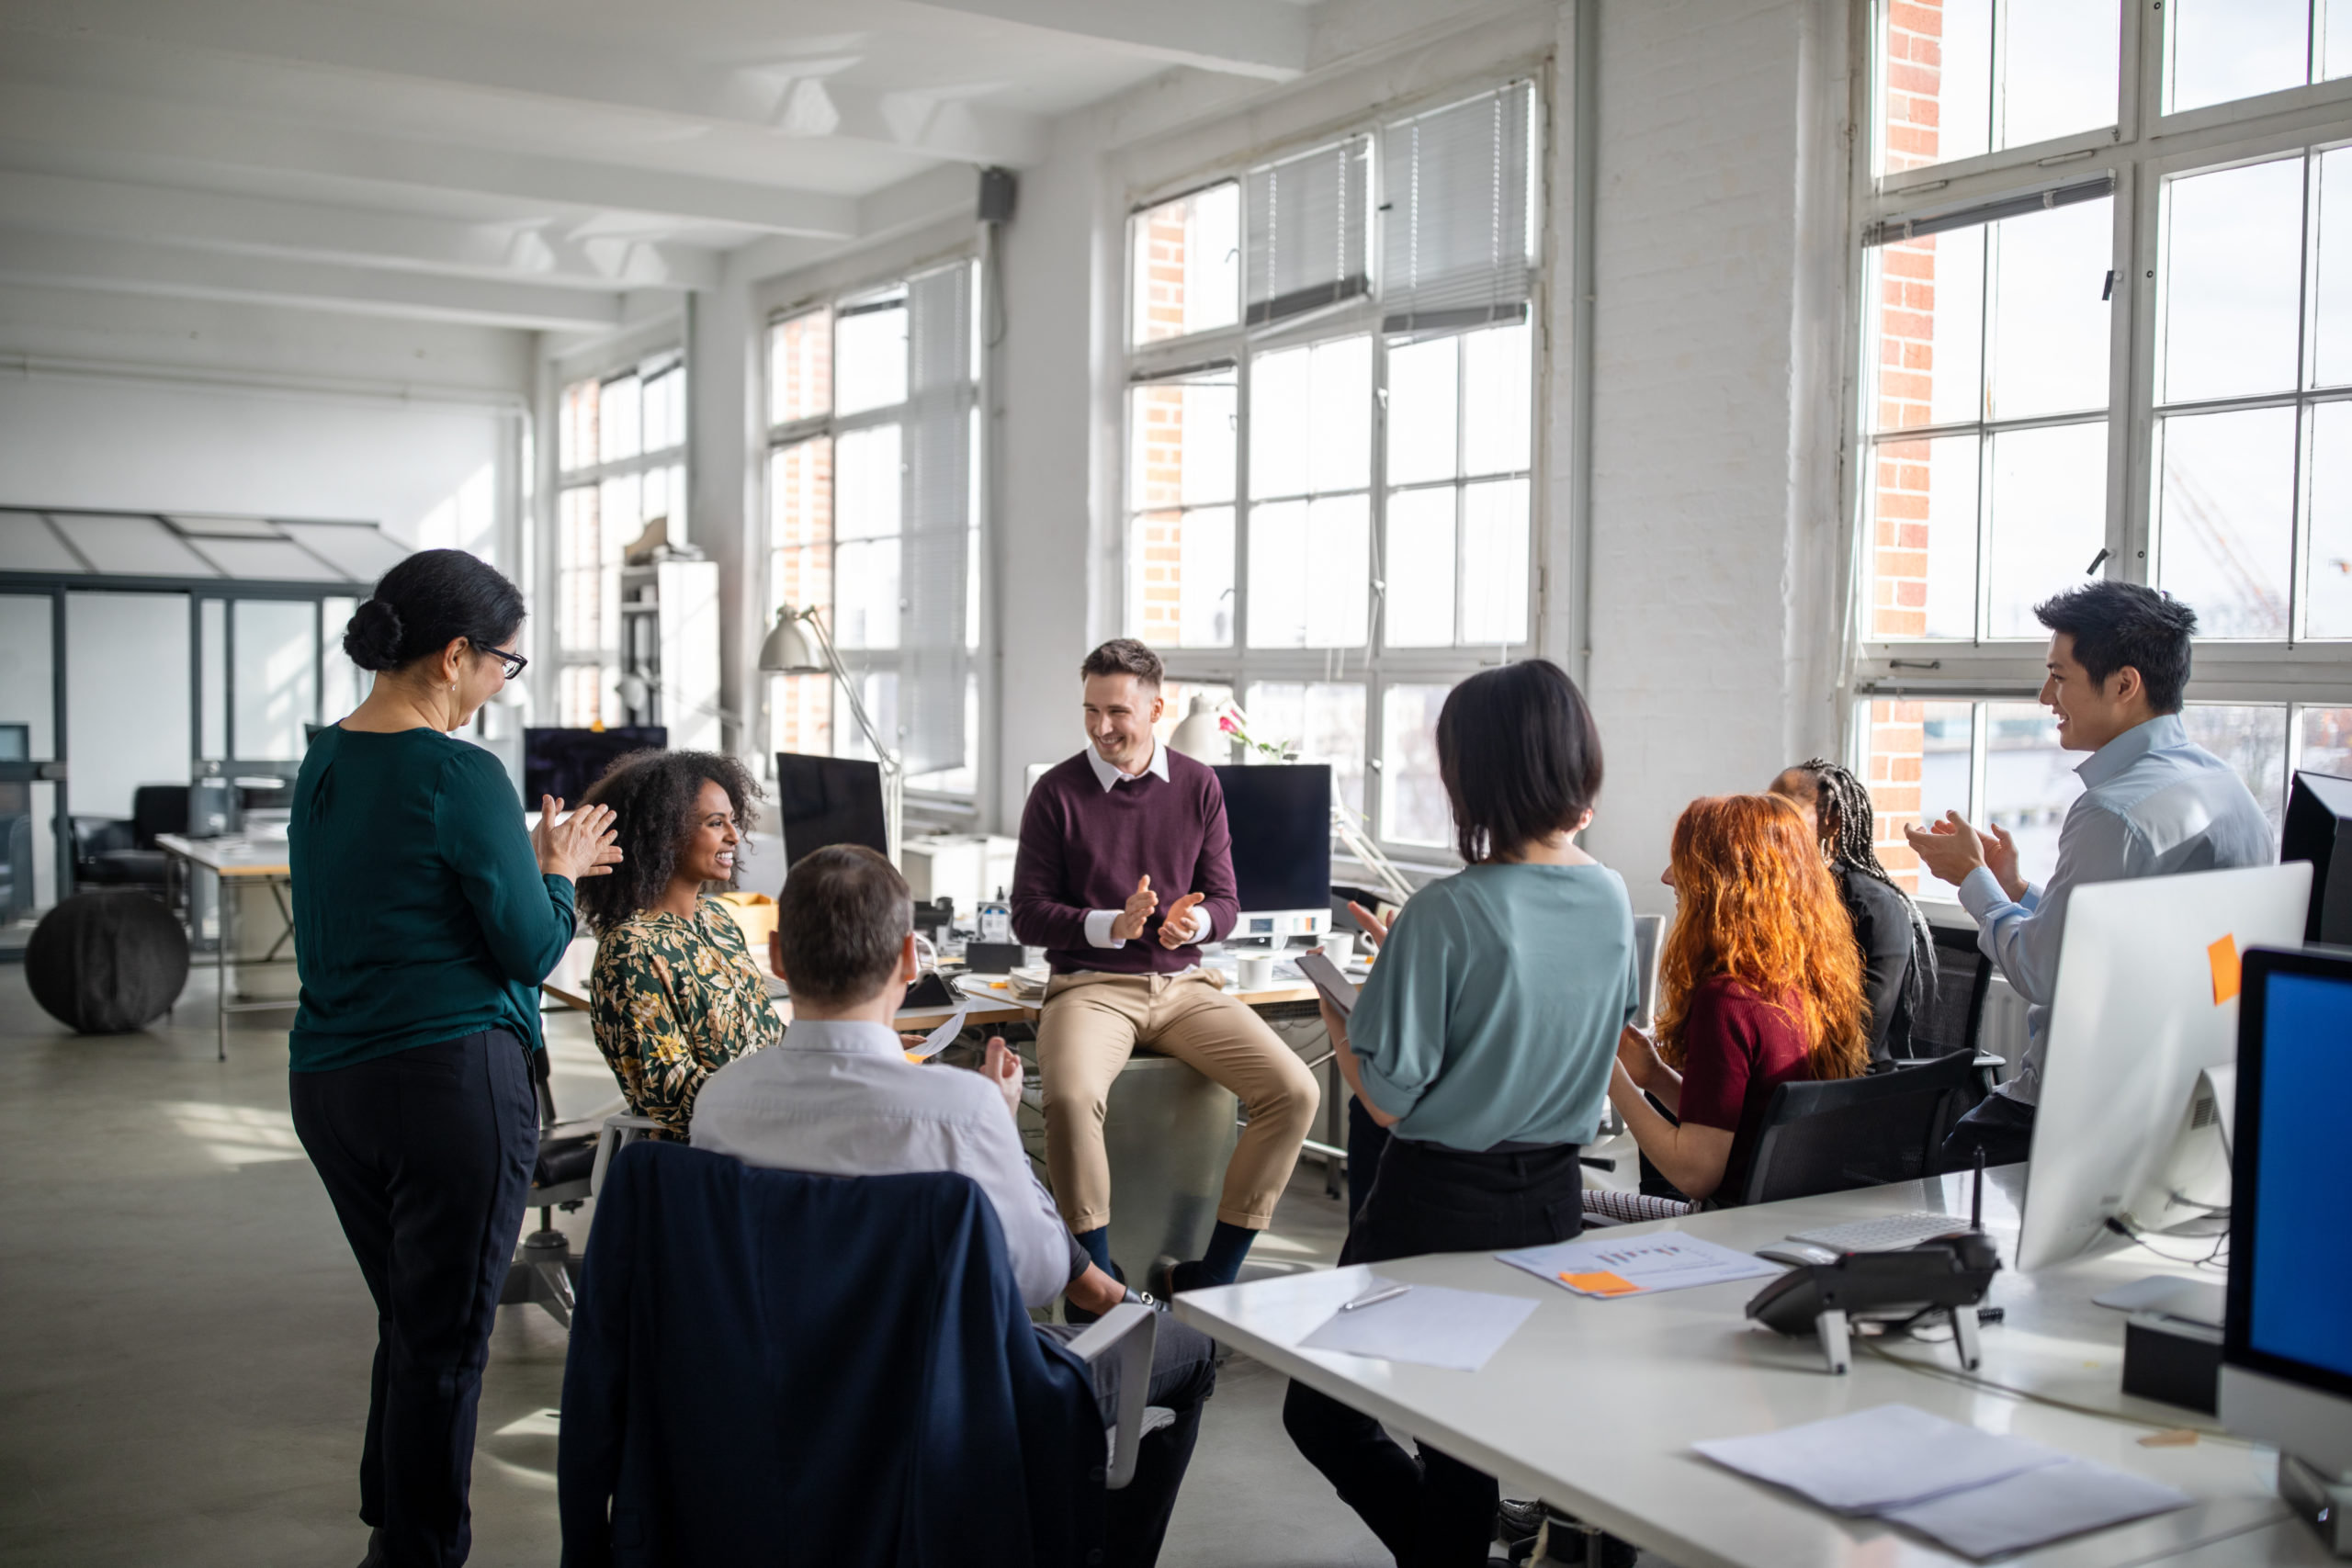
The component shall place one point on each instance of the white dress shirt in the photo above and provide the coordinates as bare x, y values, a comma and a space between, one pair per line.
1099, 921
2153, 804
841, 1100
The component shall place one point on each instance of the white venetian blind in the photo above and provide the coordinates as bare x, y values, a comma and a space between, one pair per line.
1457, 238
1306, 232
935, 548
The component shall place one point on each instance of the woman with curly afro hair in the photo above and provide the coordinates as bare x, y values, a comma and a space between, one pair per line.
675, 995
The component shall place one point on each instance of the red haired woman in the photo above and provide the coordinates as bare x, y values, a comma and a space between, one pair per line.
1762, 985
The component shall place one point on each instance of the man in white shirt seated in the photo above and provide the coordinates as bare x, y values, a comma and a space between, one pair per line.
2153, 804
837, 1097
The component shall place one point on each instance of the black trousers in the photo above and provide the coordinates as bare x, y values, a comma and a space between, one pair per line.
1366, 1139
426, 1154
2002, 1127
1432, 1511
1183, 1375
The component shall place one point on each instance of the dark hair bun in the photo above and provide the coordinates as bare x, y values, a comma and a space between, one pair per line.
372, 640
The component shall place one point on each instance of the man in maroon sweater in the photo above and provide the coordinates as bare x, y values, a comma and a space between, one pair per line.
1105, 837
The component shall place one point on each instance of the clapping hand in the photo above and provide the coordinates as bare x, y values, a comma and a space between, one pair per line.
577, 846
1177, 929
1140, 908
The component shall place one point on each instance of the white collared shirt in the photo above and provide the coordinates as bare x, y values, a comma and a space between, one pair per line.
836, 1099
1099, 921
2153, 804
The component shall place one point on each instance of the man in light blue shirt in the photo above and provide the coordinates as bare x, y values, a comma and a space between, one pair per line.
2153, 804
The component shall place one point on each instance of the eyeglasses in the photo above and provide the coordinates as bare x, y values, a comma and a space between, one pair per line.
515, 663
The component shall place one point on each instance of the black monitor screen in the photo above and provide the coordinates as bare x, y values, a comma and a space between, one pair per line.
1281, 820
564, 762
2319, 814
829, 800
2290, 1275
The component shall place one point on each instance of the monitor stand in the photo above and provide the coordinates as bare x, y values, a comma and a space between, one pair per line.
2325, 1505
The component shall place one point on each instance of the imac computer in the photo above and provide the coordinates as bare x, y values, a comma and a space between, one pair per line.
1281, 821
2146, 1001
2287, 1339
2319, 821
829, 800
564, 762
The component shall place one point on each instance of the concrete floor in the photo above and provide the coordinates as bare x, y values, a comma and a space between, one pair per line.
192, 1339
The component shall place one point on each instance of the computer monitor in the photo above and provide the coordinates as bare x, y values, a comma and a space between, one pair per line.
829, 800
1281, 821
2286, 1356
2146, 999
2319, 819
564, 762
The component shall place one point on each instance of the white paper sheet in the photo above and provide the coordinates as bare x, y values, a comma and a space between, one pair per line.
2037, 1506
1666, 1261
1875, 1460
1429, 1325
939, 1038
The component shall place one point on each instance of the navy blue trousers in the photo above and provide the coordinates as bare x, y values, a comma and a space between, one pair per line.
426, 1154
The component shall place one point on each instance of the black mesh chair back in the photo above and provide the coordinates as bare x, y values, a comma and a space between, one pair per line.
1859, 1132
157, 808
1950, 1018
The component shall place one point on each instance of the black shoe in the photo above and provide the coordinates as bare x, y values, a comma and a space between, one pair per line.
1159, 1278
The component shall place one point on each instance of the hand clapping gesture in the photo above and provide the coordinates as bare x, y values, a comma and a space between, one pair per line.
580, 845
1140, 907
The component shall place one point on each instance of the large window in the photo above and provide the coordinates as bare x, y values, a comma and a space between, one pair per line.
2106, 334
874, 515
1331, 435
621, 471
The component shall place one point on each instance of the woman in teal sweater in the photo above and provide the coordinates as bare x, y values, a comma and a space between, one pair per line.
424, 917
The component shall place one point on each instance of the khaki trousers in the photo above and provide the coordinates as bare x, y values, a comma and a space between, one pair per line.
1091, 1024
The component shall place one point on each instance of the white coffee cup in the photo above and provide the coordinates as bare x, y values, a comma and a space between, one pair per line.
1340, 947
1256, 974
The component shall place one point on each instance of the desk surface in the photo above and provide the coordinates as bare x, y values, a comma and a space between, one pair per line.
1593, 1405
229, 857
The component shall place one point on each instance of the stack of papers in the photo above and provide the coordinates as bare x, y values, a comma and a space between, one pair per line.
1429, 1325
1978, 1494
1638, 1265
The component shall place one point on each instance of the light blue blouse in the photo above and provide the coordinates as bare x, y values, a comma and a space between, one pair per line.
1493, 1013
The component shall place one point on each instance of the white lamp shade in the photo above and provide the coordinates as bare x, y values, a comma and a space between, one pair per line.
787, 650
1200, 736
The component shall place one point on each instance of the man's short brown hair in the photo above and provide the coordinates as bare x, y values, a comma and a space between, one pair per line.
841, 922
1125, 656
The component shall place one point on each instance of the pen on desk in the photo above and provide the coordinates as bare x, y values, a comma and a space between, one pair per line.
1376, 1298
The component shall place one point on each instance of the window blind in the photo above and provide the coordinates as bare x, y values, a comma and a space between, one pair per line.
1457, 238
936, 547
1306, 229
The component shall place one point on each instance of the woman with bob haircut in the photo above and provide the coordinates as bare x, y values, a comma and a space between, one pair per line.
1762, 985
1484, 1041
675, 995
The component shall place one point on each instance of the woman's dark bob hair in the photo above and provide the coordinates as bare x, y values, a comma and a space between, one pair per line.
653, 795
1519, 757
426, 603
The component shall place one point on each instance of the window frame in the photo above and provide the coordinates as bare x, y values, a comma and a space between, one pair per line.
775, 435
1371, 665
2141, 151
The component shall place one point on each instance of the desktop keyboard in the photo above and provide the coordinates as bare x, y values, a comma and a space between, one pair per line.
1887, 1234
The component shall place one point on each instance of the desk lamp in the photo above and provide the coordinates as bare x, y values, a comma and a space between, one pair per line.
790, 651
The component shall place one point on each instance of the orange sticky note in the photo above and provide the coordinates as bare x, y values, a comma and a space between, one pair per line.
2223, 956
1601, 1284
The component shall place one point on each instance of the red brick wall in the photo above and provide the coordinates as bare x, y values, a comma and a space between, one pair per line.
1159, 442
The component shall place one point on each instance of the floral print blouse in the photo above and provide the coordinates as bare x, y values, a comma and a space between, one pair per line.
672, 1001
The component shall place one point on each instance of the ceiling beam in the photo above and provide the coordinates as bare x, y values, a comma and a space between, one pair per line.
37, 116
249, 225
789, 95
1263, 39
70, 262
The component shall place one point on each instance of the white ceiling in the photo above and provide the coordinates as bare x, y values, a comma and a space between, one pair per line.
525, 163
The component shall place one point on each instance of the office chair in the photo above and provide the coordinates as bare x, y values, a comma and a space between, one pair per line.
545, 1271
114, 851
1952, 1018
1859, 1132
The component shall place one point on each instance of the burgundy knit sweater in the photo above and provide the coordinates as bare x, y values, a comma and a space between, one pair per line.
1082, 847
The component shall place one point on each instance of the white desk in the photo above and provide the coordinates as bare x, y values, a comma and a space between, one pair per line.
238, 861
1592, 1405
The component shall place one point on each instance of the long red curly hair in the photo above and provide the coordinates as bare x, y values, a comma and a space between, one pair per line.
1758, 904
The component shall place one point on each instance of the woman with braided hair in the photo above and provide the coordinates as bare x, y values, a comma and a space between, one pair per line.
1898, 951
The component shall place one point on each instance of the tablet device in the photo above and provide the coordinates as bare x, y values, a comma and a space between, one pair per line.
1325, 977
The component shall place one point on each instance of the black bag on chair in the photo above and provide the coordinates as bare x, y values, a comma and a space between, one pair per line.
103, 963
